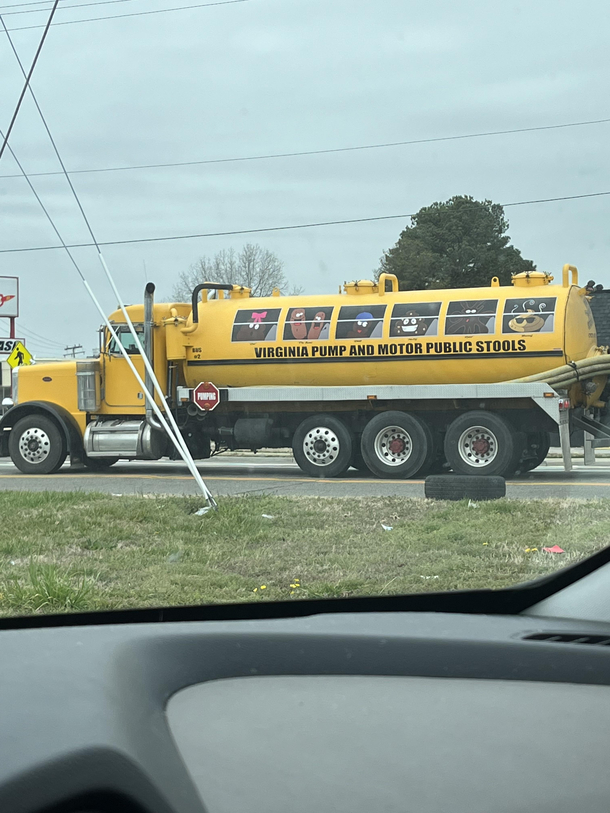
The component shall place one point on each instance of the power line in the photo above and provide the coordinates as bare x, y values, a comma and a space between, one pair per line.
80, 5
28, 76
292, 227
327, 151
46, 126
47, 3
135, 14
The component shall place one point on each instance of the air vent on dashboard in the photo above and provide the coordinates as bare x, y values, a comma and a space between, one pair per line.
568, 638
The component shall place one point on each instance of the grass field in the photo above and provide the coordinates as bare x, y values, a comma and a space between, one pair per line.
77, 551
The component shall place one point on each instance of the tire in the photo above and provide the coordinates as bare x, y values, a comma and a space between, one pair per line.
322, 446
536, 451
100, 463
411, 437
499, 445
37, 445
464, 487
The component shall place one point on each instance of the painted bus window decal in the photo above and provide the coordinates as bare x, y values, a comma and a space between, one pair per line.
470, 317
534, 315
256, 325
360, 322
415, 319
308, 323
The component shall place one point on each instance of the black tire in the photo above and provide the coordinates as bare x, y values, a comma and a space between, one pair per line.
536, 451
358, 461
414, 435
100, 463
499, 445
464, 487
37, 445
322, 446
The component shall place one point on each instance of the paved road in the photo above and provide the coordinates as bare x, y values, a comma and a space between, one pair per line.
231, 475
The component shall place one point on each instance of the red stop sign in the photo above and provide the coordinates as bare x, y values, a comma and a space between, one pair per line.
206, 395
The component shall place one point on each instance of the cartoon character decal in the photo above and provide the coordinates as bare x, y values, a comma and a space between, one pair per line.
255, 325
535, 315
360, 322
415, 319
307, 323
471, 317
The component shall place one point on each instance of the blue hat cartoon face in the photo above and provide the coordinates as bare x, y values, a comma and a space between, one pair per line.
363, 326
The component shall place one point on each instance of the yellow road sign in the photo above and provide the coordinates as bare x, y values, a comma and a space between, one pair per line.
20, 355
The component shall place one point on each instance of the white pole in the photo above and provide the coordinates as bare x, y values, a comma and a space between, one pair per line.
186, 455
176, 439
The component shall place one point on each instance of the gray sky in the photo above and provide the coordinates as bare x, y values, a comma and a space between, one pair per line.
270, 76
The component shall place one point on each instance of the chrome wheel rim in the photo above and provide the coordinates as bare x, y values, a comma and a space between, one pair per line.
478, 446
321, 446
393, 445
34, 445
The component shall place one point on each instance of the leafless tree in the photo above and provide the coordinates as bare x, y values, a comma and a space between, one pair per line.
253, 267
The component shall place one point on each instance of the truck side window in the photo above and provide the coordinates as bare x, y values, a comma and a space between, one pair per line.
415, 319
127, 341
253, 325
469, 317
308, 323
360, 322
534, 315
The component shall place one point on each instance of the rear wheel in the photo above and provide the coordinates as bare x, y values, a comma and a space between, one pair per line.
37, 445
483, 443
322, 446
396, 445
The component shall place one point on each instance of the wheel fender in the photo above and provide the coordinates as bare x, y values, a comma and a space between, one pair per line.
61, 416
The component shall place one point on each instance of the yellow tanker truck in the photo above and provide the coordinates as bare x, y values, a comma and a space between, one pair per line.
401, 383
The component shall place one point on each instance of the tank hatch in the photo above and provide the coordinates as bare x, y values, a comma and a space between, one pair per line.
531, 279
362, 287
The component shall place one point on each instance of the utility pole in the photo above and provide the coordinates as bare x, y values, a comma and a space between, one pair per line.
71, 350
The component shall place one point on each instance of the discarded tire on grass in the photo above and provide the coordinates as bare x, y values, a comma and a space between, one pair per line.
464, 487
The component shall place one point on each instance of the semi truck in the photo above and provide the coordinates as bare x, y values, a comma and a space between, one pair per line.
399, 383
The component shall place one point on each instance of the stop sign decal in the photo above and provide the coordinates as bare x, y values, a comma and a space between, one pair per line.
206, 396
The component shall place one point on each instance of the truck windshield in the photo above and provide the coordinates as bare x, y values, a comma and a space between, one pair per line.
126, 339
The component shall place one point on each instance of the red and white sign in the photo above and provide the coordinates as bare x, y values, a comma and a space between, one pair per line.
206, 396
9, 296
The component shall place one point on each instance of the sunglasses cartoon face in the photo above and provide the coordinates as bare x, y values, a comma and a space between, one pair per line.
528, 322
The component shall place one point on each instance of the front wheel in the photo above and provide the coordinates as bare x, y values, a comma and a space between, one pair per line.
483, 443
37, 445
396, 445
322, 446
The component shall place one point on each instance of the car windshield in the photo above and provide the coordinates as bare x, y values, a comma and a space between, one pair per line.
346, 263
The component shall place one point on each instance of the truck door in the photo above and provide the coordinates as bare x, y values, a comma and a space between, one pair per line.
120, 386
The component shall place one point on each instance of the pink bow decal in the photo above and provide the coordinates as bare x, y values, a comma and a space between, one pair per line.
258, 317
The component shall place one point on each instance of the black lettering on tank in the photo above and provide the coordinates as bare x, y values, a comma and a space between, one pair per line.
429, 347
418, 349
393, 349
521, 344
467, 347
382, 349
480, 347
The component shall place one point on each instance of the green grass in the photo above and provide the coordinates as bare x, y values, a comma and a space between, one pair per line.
76, 551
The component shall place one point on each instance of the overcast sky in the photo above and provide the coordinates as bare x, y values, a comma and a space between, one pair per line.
268, 76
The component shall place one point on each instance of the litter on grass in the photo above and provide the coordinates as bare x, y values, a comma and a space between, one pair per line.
387, 527
554, 549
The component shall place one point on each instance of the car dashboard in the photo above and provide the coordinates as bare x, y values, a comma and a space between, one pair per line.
388, 711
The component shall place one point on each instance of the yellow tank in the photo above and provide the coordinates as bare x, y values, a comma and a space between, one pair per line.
367, 335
